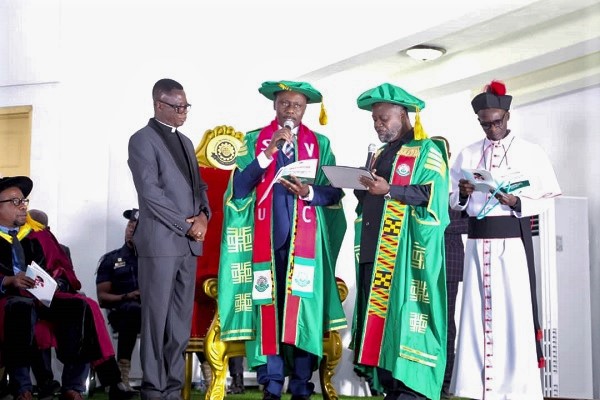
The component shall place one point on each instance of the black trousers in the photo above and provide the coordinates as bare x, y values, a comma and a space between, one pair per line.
393, 387
73, 327
19, 348
20, 317
452, 292
126, 319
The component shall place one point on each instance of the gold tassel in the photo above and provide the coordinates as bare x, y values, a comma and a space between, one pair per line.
323, 115
419, 131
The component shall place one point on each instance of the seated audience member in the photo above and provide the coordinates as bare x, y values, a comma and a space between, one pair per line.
41, 363
118, 291
72, 322
204, 369
41, 217
236, 371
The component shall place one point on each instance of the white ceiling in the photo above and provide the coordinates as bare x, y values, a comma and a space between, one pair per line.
539, 48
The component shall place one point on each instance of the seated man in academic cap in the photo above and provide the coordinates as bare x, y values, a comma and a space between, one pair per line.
277, 278
399, 337
118, 290
41, 217
72, 322
41, 365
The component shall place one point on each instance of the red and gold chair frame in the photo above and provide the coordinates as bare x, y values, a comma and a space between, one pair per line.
217, 353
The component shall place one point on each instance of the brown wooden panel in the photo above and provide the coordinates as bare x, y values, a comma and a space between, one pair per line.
15, 140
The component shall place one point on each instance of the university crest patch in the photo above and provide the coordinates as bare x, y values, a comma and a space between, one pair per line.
403, 170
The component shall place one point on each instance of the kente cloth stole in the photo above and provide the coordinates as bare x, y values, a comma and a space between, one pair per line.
385, 260
301, 264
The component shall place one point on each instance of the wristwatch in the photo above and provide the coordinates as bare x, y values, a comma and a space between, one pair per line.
204, 210
387, 196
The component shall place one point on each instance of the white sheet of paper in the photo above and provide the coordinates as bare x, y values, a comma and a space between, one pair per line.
345, 177
481, 179
45, 285
306, 169
510, 181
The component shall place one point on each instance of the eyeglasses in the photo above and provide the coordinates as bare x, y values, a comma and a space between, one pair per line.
16, 202
497, 123
178, 109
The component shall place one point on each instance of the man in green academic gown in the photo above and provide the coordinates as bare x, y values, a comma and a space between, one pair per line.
399, 332
277, 286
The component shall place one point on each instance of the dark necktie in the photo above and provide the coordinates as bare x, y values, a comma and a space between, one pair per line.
17, 250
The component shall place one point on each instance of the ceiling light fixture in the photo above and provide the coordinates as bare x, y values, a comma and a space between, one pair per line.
425, 53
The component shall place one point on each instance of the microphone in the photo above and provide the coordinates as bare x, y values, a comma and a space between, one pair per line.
370, 156
287, 124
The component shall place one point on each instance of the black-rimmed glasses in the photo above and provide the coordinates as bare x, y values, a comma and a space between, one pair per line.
497, 123
16, 202
178, 109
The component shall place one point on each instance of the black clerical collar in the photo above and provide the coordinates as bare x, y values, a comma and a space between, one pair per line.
171, 128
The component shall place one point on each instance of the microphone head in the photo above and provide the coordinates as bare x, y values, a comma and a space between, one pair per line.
288, 124
372, 148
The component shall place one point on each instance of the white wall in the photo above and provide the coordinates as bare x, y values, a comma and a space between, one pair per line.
567, 128
103, 59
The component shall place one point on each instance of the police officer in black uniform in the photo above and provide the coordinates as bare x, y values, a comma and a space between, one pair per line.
118, 291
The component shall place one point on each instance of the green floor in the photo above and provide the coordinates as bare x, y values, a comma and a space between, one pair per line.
251, 394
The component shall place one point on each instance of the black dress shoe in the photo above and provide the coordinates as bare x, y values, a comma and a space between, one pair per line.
270, 396
237, 384
392, 395
410, 396
119, 391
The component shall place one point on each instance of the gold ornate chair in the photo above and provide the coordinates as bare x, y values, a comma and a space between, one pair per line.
216, 157
218, 352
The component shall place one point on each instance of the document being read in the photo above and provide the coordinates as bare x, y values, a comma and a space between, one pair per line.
507, 181
305, 170
45, 285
